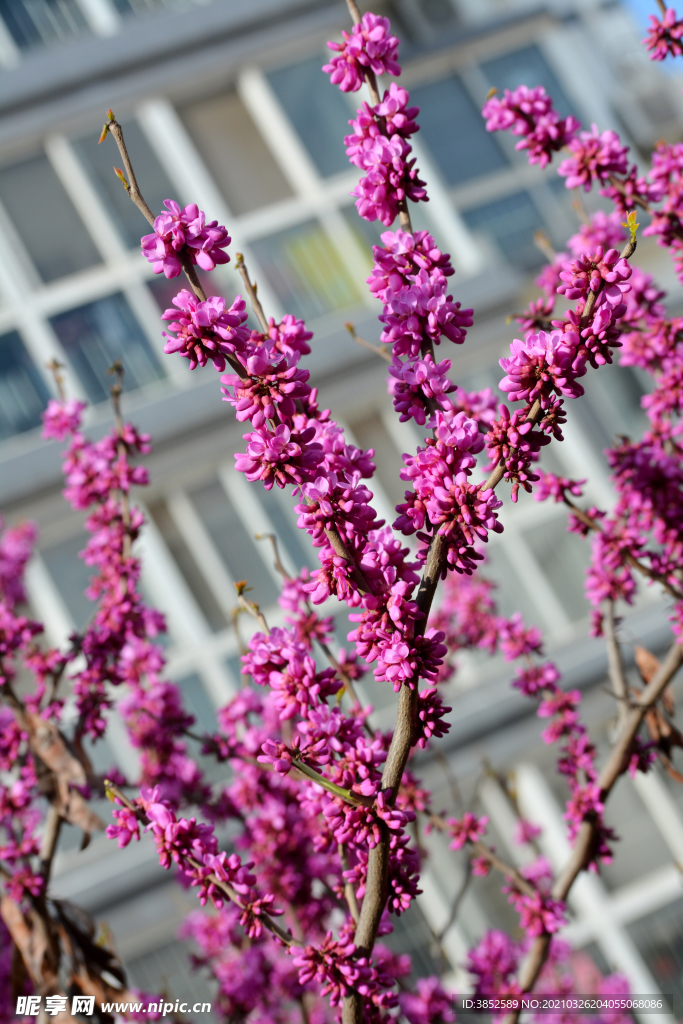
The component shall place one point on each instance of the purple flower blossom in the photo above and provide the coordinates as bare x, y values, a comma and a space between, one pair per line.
280, 457
543, 361
62, 418
369, 45
270, 388
185, 231
205, 330
413, 382
529, 113
664, 36
590, 273
595, 156
468, 829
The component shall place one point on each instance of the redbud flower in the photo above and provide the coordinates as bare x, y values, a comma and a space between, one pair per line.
207, 330
595, 156
664, 36
177, 230
468, 829
369, 45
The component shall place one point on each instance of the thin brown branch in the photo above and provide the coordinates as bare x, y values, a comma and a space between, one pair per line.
585, 839
543, 243
521, 883
381, 352
253, 609
662, 7
644, 570
251, 292
268, 922
397, 758
371, 82
279, 567
615, 663
133, 190
535, 411
349, 891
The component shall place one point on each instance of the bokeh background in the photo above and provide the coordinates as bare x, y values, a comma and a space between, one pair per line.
223, 103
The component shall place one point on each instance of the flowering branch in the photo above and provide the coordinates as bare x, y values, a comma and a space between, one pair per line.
630, 559
116, 795
613, 768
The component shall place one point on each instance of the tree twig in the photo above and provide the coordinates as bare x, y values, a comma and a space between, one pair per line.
250, 289
614, 661
349, 891
381, 352
268, 922
587, 832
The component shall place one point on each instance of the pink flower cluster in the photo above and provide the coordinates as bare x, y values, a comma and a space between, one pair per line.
468, 618
529, 113
379, 146
184, 233
664, 36
369, 46
205, 330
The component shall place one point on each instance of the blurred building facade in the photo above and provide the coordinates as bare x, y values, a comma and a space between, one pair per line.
223, 103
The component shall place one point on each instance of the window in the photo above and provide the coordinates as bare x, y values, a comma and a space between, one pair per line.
156, 188
564, 558
235, 153
96, 335
72, 576
305, 271
659, 938
41, 22
233, 542
510, 223
23, 395
454, 130
45, 219
144, 6
188, 567
317, 110
295, 546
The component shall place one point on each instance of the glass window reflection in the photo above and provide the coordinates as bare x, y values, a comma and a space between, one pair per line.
23, 395
96, 335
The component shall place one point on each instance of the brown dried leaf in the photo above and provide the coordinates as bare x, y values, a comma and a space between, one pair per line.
52, 750
30, 935
670, 770
648, 665
646, 662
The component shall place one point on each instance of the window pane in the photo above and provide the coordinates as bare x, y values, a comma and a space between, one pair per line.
153, 180
659, 938
23, 395
510, 223
305, 271
96, 335
143, 6
197, 703
188, 567
527, 67
372, 433
72, 576
454, 130
295, 546
317, 110
41, 22
46, 220
564, 558
235, 153
234, 542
